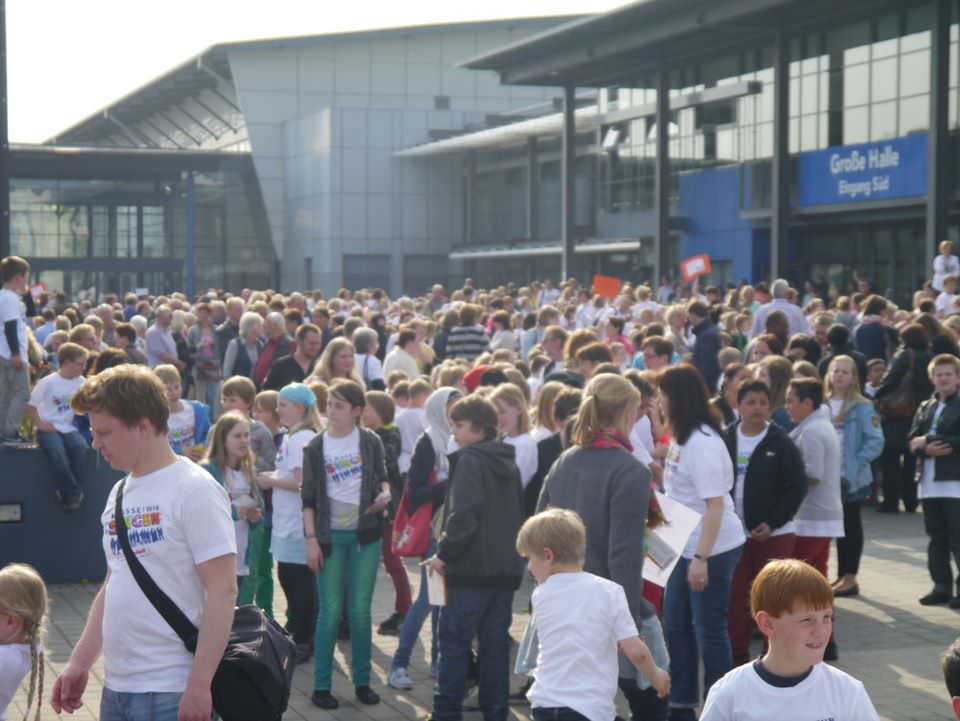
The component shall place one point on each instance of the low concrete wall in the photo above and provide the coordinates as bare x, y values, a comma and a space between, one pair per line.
64, 547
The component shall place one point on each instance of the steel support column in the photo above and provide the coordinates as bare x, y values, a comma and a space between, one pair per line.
191, 259
568, 170
4, 140
469, 184
780, 195
661, 237
938, 151
533, 190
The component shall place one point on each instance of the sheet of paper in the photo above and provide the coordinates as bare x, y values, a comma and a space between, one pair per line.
436, 589
669, 540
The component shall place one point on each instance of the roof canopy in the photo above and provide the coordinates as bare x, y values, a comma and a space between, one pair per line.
623, 45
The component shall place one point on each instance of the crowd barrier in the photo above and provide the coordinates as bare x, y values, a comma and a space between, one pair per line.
65, 547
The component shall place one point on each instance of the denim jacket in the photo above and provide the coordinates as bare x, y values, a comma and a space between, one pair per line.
862, 443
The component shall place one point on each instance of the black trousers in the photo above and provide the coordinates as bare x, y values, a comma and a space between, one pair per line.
299, 585
644, 705
898, 466
850, 547
941, 518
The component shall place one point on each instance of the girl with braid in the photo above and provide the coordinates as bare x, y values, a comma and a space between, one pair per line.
23, 619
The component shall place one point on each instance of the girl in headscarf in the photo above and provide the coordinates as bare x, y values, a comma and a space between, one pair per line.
426, 483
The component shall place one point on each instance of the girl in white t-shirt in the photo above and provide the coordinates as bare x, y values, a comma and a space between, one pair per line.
699, 474
23, 620
345, 494
514, 420
230, 460
297, 410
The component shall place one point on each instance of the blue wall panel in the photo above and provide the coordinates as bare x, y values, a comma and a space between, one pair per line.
710, 201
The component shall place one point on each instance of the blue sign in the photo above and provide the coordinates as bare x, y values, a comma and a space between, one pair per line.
872, 171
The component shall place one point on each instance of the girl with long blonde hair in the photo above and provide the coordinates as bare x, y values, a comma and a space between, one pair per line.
546, 425
23, 627
600, 479
514, 417
861, 442
230, 460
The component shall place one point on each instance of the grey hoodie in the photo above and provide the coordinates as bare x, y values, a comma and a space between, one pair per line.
819, 445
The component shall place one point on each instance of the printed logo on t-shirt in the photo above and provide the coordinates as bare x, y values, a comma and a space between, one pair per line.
343, 467
144, 527
179, 436
61, 404
743, 459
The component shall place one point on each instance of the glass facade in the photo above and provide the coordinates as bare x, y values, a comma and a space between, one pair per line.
117, 235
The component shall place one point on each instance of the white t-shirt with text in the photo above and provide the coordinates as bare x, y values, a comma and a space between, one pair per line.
287, 506
181, 426
177, 518
344, 477
51, 397
827, 693
577, 666
697, 470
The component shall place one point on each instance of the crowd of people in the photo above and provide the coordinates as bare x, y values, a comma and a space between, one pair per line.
475, 428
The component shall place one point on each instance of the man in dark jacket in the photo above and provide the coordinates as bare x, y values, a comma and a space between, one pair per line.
476, 553
770, 485
707, 346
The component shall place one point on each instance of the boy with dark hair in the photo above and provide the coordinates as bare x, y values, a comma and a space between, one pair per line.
14, 369
770, 483
793, 607
61, 441
482, 514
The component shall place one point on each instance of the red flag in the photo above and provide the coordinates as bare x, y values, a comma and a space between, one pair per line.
606, 286
694, 267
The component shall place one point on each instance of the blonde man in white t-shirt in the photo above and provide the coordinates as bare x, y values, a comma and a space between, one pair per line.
180, 527
49, 407
577, 666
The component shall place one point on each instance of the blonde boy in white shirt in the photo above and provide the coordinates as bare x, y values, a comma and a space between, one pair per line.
577, 667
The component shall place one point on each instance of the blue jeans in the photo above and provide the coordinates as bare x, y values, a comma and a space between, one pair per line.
696, 626
484, 614
139, 706
67, 453
413, 621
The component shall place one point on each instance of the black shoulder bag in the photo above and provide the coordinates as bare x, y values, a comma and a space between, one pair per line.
253, 680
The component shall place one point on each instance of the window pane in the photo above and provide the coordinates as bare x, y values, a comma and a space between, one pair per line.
856, 85
885, 49
883, 121
824, 130
915, 41
884, 86
809, 94
153, 233
915, 73
794, 97
914, 114
794, 140
808, 132
855, 126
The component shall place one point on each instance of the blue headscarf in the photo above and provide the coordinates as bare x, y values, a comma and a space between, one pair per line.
299, 394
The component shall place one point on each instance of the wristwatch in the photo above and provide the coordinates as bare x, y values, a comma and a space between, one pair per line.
699, 557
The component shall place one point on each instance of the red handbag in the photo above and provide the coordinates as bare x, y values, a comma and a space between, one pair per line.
411, 531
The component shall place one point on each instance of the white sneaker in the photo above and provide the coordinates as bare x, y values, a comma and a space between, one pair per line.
399, 679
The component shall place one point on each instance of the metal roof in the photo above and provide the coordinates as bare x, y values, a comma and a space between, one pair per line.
619, 47
195, 105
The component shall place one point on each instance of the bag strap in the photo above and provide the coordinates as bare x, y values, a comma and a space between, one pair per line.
170, 612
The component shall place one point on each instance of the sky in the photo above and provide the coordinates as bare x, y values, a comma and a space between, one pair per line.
67, 59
